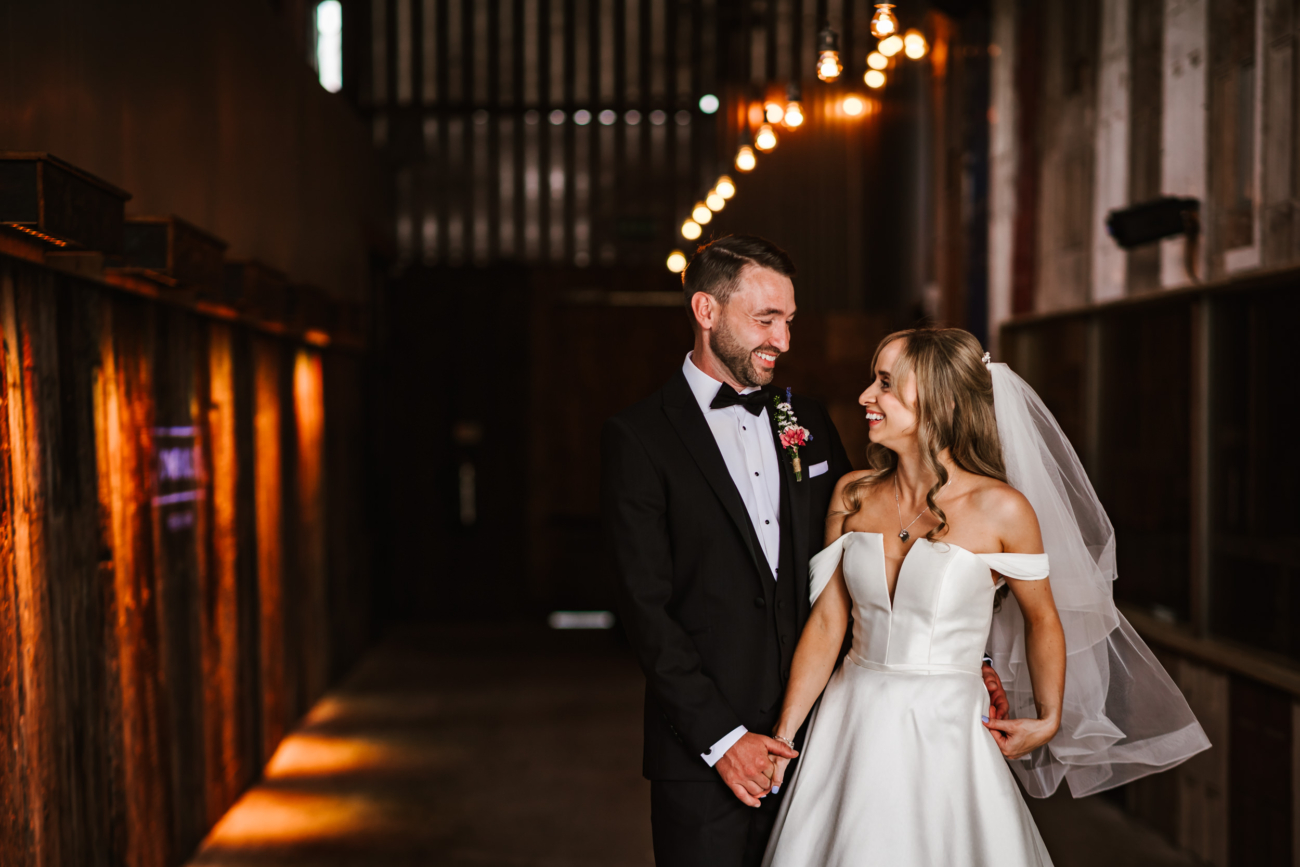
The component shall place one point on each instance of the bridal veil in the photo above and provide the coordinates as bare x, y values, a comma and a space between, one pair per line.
1123, 717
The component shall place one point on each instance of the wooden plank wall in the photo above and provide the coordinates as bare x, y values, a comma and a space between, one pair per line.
163, 513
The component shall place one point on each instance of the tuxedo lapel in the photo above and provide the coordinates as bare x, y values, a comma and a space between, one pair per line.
799, 506
684, 414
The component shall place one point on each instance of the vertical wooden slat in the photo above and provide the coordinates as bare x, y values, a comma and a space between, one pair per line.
430, 56
1203, 779
481, 68
267, 473
379, 42
581, 27
29, 580
455, 52
404, 67
123, 421
532, 41
13, 794
604, 52
572, 8
166, 355
633, 51
492, 172
309, 427
226, 768
1259, 773
656, 57
507, 53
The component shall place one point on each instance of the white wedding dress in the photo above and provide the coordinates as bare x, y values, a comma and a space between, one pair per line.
897, 768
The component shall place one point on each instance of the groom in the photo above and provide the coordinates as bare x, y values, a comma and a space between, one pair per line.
712, 529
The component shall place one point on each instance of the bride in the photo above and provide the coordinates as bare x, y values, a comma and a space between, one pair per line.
972, 492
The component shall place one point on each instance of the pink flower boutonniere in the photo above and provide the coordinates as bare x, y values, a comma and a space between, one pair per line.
792, 435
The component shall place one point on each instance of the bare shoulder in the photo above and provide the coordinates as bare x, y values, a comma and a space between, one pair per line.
849, 478
1011, 513
1000, 500
838, 499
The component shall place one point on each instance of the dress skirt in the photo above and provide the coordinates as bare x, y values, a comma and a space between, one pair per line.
898, 770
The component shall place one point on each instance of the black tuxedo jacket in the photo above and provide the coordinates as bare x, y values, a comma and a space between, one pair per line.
714, 633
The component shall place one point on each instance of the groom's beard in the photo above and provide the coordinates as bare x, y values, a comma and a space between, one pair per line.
739, 360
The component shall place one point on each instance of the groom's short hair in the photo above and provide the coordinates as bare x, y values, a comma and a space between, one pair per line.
715, 268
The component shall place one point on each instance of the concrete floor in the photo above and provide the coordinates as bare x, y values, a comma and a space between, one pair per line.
509, 747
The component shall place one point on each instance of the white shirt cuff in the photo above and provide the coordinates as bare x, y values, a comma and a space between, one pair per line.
719, 749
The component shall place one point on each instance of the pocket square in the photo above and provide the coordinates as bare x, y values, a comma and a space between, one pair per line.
817, 469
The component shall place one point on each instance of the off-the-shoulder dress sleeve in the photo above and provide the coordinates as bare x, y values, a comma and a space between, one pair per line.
1024, 567
822, 567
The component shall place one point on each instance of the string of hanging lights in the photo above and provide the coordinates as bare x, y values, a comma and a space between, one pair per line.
759, 133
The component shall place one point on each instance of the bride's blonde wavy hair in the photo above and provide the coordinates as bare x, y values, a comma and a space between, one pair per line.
954, 411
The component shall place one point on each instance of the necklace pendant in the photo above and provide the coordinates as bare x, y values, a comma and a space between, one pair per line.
904, 535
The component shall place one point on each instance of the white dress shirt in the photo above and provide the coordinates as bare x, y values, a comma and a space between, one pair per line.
749, 451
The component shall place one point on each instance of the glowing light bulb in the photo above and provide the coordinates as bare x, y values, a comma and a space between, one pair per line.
914, 44
773, 112
828, 55
677, 261
891, 46
691, 230
829, 66
876, 60
853, 106
766, 138
724, 187
715, 201
793, 114
709, 103
883, 23
745, 159
755, 113
874, 78
701, 214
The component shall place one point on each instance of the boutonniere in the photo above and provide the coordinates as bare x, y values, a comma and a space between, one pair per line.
792, 434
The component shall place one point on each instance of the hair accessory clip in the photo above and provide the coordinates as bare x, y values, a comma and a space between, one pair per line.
987, 359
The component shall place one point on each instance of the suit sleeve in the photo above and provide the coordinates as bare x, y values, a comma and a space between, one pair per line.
635, 512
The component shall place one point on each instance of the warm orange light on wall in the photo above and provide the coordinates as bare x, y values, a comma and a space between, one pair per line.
309, 423
49, 239
267, 485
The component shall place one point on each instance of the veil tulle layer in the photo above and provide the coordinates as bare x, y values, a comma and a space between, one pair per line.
1123, 717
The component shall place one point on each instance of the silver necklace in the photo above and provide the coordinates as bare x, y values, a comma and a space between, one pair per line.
903, 534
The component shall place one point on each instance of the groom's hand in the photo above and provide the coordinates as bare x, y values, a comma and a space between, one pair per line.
998, 706
746, 768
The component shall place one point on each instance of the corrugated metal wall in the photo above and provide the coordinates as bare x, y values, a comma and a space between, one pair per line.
569, 131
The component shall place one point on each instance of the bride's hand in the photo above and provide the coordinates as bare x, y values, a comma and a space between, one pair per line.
1017, 738
779, 764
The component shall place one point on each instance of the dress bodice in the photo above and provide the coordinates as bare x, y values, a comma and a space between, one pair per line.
943, 600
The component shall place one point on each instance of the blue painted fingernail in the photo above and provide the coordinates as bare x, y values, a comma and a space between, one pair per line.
984, 719
776, 789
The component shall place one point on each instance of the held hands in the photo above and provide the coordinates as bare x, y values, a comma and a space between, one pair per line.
1017, 738
999, 708
747, 767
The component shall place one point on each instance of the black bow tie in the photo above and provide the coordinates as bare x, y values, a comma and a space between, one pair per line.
755, 401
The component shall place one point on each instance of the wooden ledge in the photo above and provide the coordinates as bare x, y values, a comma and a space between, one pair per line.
1268, 668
